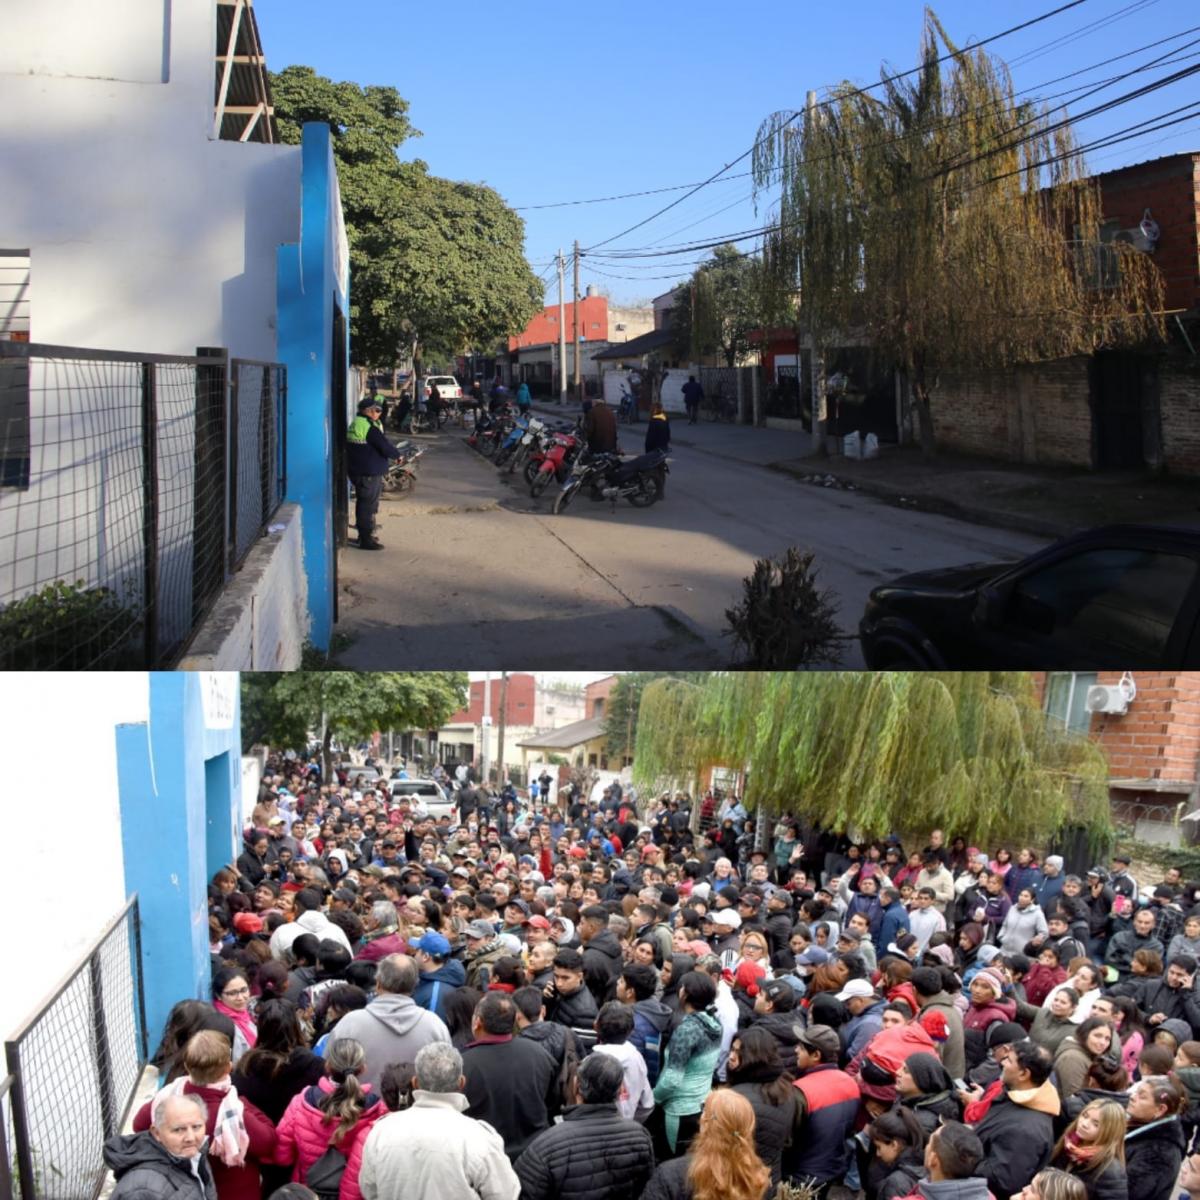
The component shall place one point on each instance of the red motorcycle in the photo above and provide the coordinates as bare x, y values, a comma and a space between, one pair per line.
554, 462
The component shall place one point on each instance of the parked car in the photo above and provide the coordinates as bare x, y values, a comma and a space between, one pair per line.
431, 798
372, 776
447, 386
1116, 597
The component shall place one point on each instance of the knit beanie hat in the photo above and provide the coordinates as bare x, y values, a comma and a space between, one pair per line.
993, 979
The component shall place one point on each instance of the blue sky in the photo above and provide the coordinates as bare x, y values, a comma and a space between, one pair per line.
549, 102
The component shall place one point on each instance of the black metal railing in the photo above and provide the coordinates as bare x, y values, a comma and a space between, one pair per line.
257, 479
73, 1069
123, 503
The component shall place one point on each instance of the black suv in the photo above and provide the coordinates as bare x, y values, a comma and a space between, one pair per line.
1122, 596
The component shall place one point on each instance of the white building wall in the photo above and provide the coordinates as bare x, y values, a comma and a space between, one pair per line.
144, 233
65, 868
261, 620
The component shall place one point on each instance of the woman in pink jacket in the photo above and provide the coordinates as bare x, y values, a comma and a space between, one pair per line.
336, 1113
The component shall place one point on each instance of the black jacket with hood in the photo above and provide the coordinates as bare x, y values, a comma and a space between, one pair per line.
145, 1170
602, 963
1153, 1156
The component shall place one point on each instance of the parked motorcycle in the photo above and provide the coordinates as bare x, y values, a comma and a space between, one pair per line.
554, 463
401, 475
610, 477
532, 437
490, 430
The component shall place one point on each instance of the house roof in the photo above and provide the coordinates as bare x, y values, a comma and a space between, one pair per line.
656, 339
568, 736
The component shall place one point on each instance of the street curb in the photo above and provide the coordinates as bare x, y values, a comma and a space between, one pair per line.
937, 505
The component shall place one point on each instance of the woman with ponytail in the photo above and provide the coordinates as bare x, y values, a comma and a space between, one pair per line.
722, 1163
325, 1127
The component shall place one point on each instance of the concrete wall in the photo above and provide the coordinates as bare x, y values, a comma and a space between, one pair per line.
180, 777
58, 719
143, 232
261, 620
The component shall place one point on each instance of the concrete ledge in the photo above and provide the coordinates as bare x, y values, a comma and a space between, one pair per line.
260, 621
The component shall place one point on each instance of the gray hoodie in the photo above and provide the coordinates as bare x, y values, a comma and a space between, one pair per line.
954, 1189
390, 1029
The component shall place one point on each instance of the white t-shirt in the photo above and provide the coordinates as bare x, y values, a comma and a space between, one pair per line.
636, 1094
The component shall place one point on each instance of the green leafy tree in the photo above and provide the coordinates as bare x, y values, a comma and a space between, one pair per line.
719, 307
950, 222
970, 751
624, 701
284, 710
436, 266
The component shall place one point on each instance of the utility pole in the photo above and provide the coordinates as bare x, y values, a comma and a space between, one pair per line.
575, 314
486, 731
562, 332
501, 773
818, 358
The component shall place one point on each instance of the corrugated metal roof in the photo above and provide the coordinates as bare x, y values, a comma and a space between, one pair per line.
249, 88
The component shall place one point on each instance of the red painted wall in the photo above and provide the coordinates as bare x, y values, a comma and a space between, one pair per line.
593, 316
521, 700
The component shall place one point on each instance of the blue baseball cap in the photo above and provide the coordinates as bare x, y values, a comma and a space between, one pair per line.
432, 944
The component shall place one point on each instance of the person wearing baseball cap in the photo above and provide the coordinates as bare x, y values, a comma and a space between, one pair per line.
440, 974
827, 1104
866, 1015
368, 452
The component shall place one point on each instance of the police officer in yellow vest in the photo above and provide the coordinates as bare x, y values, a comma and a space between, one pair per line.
367, 453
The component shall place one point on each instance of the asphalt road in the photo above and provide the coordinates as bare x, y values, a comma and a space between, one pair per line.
477, 575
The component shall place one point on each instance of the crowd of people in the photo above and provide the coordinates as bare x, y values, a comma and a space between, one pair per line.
561, 997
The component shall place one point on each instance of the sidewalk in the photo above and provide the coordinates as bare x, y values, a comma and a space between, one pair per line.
1046, 501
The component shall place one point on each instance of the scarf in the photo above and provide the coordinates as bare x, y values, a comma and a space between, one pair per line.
242, 1019
1077, 1152
502, 987
229, 1141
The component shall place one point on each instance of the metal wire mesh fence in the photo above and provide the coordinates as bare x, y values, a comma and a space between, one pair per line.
790, 395
259, 393
116, 524
74, 1066
720, 386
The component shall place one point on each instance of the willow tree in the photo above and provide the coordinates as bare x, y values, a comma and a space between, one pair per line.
879, 752
950, 223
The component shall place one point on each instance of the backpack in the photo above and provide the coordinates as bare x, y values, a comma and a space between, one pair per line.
325, 1175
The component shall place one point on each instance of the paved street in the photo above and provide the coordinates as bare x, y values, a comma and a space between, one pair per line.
478, 575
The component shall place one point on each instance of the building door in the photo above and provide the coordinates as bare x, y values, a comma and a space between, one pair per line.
338, 420
1116, 386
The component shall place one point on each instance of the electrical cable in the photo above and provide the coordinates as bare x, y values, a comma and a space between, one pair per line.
825, 103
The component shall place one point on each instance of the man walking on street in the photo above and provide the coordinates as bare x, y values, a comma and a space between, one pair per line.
693, 393
367, 453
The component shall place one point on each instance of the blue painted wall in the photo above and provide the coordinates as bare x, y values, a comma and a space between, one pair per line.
308, 282
180, 784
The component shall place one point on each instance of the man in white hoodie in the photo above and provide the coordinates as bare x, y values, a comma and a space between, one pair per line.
309, 919
433, 1150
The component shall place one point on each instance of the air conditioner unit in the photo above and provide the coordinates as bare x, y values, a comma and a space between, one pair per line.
1143, 236
1101, 698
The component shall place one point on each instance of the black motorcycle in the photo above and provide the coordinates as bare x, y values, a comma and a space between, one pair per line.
610, 477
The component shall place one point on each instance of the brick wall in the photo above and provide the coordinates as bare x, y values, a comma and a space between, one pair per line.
1170, 188
1179, 403
1041, 413
1036, 414
600, 690
1159, 737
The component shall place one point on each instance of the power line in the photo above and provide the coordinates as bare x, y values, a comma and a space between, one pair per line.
679, 187
857, 91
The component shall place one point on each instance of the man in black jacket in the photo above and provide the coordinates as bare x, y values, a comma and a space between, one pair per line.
602, 957
595, 1153
568, 1000
367, 453
510, 1080
1166, 997
1017, 1131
